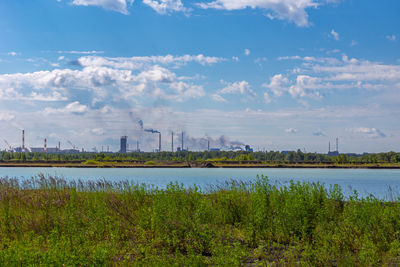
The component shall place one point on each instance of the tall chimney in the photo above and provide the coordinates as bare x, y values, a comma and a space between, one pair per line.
137, 145
23, 140
208, 145
329, 146
159, 142
182, 141
337, 145
59, 146
172, 142
45, 145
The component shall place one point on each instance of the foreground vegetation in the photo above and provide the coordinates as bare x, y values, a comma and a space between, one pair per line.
49, 221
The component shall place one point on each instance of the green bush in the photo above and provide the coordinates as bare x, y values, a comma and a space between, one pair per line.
49, 221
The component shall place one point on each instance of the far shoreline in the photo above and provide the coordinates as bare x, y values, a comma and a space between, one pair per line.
198, 165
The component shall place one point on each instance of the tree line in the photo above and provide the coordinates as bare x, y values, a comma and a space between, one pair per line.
239, 156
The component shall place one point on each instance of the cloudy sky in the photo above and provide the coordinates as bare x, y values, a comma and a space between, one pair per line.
275, 74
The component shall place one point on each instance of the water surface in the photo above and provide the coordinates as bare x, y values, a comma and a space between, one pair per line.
382, 183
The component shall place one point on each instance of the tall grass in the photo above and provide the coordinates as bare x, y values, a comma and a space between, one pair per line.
49, 221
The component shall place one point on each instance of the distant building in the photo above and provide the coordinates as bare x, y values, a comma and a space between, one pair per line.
124, 142
248, 148
215, 149
49, 150
37, 149
70, 151
333, 153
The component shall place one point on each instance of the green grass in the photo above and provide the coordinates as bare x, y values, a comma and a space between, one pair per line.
48, 221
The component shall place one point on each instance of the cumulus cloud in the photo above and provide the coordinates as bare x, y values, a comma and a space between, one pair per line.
335, 35
166, 6
368, 132
71, 108
103, 77
317, 74
140, 62
291, 130
113, 5
278, 84
247, 52
218, 98
242, 87
294, 11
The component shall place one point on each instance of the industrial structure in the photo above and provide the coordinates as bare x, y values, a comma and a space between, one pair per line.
123, 144
336, 152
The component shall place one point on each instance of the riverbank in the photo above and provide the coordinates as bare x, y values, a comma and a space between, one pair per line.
49, 221
196, 164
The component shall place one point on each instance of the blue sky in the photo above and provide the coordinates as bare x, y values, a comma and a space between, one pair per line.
275, 74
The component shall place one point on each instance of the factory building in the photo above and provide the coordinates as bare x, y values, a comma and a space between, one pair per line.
124, 143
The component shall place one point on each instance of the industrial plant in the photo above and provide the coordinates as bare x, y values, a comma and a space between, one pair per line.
124, 145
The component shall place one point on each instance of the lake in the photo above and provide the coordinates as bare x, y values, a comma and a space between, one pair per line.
382, 183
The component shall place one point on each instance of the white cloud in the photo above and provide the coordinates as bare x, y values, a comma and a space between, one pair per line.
81, 52
353, 43
291, 130
247, 52
316, 74
267, 98
97, 131
166, 6
242, 87
278, 84
61, 58
234, 58
140, 62
292, 10
218, 98
335, 35
6, 116
12, 53
368, 132
391, 37
71, 108
102, 82
113, 5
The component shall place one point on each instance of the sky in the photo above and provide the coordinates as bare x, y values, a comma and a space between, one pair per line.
274, 74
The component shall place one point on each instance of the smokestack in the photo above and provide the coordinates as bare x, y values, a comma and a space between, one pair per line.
137, 145
329, 147
59, 146
182, 141
159, 142
337, 144
45, 145
208, 145
23, 140
172, 142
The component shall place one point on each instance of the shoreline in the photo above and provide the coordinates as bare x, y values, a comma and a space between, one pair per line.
197, 165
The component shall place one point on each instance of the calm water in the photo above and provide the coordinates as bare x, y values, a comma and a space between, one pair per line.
365, 181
